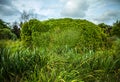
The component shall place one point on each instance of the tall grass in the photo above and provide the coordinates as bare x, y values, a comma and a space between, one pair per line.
43, 65
16, 65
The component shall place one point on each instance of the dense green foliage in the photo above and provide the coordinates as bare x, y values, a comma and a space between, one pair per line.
16, 30
63, 32
31, 31
106, 28
60, 50
5, 32
2, 24
116, 29
42, 65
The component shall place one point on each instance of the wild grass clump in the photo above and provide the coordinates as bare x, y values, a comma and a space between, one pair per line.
43, 65
16, 65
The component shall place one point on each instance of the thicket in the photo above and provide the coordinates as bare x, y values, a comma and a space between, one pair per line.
57, 33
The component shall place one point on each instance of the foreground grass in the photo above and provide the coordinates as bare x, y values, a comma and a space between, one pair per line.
43, 65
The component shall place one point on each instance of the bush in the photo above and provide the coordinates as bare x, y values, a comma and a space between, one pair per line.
116, 29
77, 33
31, 31
3, 24
73, 33
7, 34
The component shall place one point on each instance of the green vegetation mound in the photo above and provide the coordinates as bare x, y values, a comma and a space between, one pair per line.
80, 34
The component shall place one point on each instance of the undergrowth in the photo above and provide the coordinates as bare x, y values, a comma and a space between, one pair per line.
43, 65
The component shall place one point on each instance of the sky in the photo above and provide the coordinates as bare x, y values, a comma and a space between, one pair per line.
96, 11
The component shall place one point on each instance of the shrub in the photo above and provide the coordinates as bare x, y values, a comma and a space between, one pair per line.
31, 31
77, 33
116, 29
7, 34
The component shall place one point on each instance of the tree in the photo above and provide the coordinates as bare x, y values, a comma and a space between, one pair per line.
25, 16
116, 29
16, 29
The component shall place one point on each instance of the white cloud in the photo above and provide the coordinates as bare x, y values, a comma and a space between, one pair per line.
108, 17
94, 10
106, 11
75, 8
28, 5
43, 8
